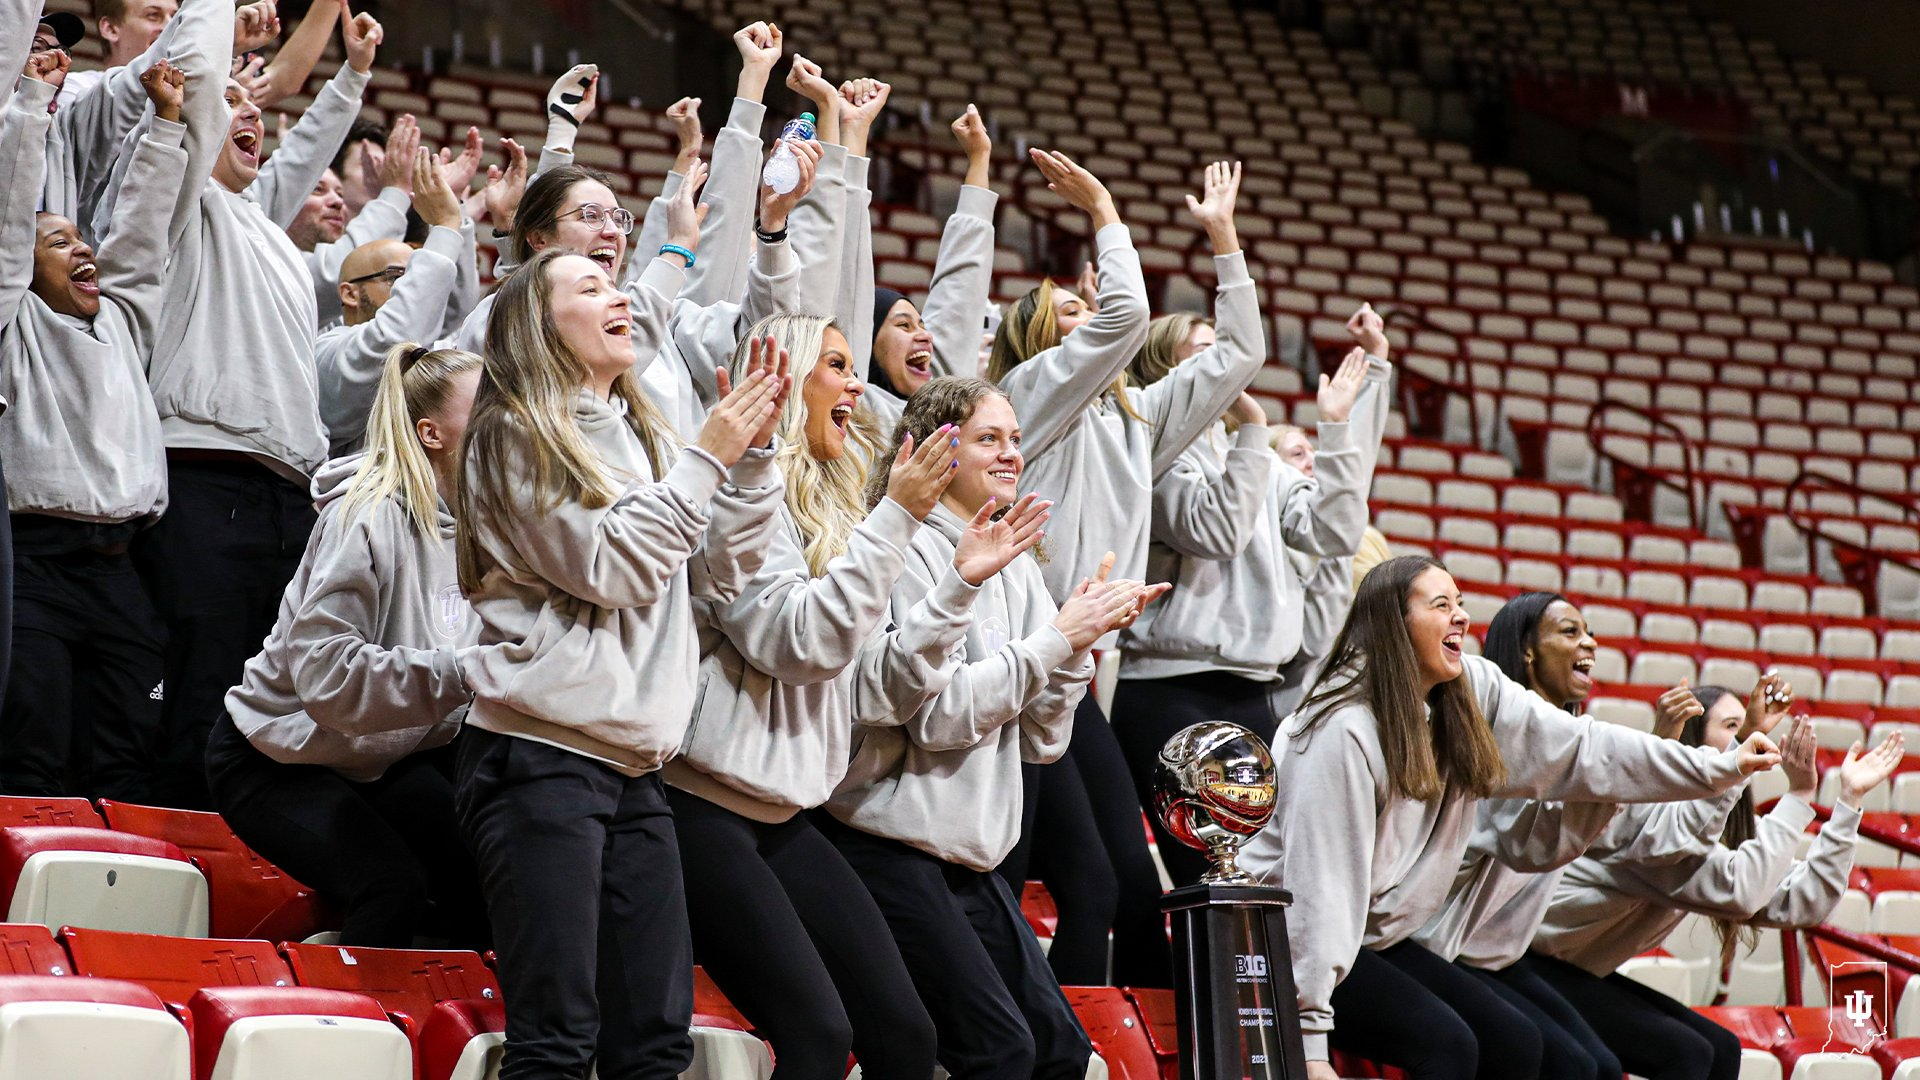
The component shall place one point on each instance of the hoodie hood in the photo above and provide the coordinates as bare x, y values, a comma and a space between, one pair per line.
883, 301
334, 479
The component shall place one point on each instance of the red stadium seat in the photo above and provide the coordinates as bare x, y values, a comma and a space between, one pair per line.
53, 1027
251, 898
1118, 1033
249, 1021
29, 949
57, 875
1759, 1027
1037, 905
33, 810
1157, 1012
437, 998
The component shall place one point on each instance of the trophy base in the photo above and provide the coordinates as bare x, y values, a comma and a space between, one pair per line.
1233, 975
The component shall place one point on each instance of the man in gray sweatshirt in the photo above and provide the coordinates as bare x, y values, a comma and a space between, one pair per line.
234, 379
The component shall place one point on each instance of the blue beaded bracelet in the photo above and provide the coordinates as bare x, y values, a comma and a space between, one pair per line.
680, 251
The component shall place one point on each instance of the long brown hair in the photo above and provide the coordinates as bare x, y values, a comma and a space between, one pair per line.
1160, 354
1031, 327
1373, 664
523, 412
947, 399
1740, 820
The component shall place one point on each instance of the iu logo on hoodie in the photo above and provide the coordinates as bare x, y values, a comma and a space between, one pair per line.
451, 607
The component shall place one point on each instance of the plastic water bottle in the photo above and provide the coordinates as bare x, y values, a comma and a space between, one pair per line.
782, 173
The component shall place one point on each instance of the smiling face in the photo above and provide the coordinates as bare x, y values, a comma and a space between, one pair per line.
1437, 625
239, 161
64, 274
323, 216
1560, 661
1723, 721
137, 29
904, 349
604, 244
591, 318
1070, 312
989, 457
828, 394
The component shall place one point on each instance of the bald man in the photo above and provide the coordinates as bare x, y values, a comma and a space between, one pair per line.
389, 294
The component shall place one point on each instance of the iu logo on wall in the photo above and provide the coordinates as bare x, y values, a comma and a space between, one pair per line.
1858, 1006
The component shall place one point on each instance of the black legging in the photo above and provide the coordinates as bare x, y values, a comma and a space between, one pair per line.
1089, 849
1653, 1035
1569, 1047
1406, 1007
1148, 712
379, 851
794, 939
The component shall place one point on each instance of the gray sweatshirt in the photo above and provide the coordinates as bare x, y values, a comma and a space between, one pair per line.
349, 359
1520, 848
1368, 869
1084, 452
773, 729
18, 20
593, 608
1607, 910
942, 774
82, 439
234, 365
383, 218
1226, 528
359, 670
956, 297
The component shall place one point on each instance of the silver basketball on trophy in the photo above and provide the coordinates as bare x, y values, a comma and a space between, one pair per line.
1213, 788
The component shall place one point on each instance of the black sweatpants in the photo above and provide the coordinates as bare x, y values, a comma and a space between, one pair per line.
1653, 1035
6, 588
81, 715
1406, 1007
787, 930
979, 969
1148, 712
1089, 848
582, 879
216, 565
379, 851
1569, 1048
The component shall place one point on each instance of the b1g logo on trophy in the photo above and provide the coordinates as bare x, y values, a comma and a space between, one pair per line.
1213, 788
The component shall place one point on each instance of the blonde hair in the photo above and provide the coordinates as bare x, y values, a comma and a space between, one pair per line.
1030, 327
414, 382
1278, 433
1160, 353
524, 409
824, 497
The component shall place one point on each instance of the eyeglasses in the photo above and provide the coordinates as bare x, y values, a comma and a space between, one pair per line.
390, 275
592, 215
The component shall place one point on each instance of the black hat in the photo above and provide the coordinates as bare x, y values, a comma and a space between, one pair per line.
67, 27
883, 301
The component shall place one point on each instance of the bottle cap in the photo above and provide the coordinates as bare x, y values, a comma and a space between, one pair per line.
808, 117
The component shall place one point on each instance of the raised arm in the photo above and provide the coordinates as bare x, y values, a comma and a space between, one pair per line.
1053, 390
18, 20
132, 263
292, 171
963, 270
294, 62
1329, 516
1813, 887
1195, 393
1533, 836
348, 681
204, 50
721, 273
815, 232
1206, 517
23, 159
1550, 755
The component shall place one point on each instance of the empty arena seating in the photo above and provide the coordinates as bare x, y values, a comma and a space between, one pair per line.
249, 896
83, 876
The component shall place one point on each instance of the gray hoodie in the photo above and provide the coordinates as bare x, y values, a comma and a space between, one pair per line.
82, 439
593, 607
234, 367
359, 670
349, 359
1368, 868
773, 728
1608, 909
943, 775
1085, 452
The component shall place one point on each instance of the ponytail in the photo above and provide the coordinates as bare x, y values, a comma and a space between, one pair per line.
413, 383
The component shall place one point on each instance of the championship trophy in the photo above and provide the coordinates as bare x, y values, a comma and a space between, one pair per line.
1213, 788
